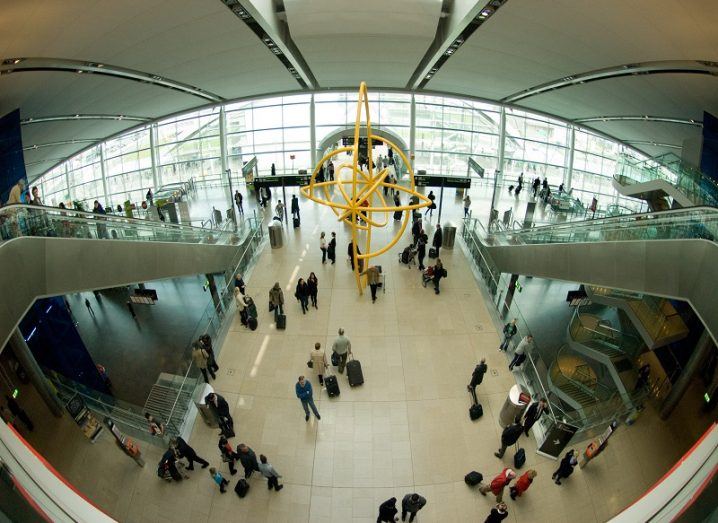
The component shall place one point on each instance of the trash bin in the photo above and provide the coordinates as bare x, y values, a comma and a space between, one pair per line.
276, 239
513, 406
207, 414
448, 236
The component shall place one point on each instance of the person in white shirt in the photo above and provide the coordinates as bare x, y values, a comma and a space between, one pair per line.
520, 352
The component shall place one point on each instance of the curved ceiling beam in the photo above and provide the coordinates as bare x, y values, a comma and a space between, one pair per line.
664, 119
19, 65
46, 160
63, 142
643, 68
654, 144
74, 117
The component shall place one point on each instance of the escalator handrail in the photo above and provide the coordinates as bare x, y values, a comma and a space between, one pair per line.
88, 215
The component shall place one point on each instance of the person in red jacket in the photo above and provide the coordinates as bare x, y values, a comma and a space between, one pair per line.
522, 484
498, 484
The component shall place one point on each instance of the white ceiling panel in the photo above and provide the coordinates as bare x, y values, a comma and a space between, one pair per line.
345, 42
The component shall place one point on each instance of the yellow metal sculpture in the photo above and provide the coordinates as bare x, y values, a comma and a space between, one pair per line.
357, 208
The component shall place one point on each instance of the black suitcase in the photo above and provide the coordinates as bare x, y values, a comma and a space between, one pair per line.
252, 323
519, 458
476, 410
281, 321
433, 253
354, 373
295, 221
241, 488
332, 385
473, 478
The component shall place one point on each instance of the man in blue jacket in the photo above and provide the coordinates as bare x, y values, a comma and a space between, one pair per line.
304, 392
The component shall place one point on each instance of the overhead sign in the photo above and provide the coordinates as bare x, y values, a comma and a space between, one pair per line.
476, 167
283, 180
428, 180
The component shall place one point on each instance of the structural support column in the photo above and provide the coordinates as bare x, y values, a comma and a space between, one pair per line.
569, 171
312, 133
412, 132
704, 345
67, 182
27, 360
156, 181
223, 156
498, 175
103, 170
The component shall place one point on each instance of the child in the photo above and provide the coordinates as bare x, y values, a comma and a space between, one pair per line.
218, 479
268, 472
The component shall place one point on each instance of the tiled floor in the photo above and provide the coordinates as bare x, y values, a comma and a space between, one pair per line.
406, 429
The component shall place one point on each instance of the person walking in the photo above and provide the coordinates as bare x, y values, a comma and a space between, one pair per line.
477, 376
323, 247
219, 480
387, 511
509, 436
205, 341
520, 352
373, 278
536, 185
411, 504
169, 463
17, 411
279, 210
342, 347
565, 468
219, 406
499, 513
239, 283
303, 389
330, 170
313, 288
439, 272
415, 231
430, 209
273, 170
248, 459
467, 204
270, 473
156, 428
15, 195
200, 358
522, 484
318, 358
498, 484
183, 449
438, 238
295, 206
421, 248
397, 203
229, 456
350, 253
238, 198
509, 332
332, 248
302, 294
533, 413
89, 307
276, 300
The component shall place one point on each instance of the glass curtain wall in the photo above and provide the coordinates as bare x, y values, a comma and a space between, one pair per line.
448, 130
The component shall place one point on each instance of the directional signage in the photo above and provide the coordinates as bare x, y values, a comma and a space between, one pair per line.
287, 180
428, 180
557, 437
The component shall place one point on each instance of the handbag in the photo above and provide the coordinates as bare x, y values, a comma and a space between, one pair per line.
271, 307
310, 364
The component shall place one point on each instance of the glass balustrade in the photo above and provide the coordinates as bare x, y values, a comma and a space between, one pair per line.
28, 220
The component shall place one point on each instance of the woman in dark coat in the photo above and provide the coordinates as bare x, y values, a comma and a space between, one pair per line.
421, 248
302, 294
313, 285
387, 511
565, 469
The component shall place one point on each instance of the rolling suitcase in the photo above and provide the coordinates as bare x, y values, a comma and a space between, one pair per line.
354, 373
519, 458
332, 385
295, 221
252, 323
281, 321
473, 478
433, 253
241, 488
476, 410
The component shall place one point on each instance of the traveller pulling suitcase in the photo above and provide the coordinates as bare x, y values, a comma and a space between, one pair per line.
332, 385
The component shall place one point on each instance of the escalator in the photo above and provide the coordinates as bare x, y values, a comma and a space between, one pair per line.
665, 182
672, 254
51, 252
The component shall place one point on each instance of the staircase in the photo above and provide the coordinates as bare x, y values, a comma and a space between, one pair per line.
171, 400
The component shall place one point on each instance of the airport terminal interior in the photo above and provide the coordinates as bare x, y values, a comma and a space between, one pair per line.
505, 209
